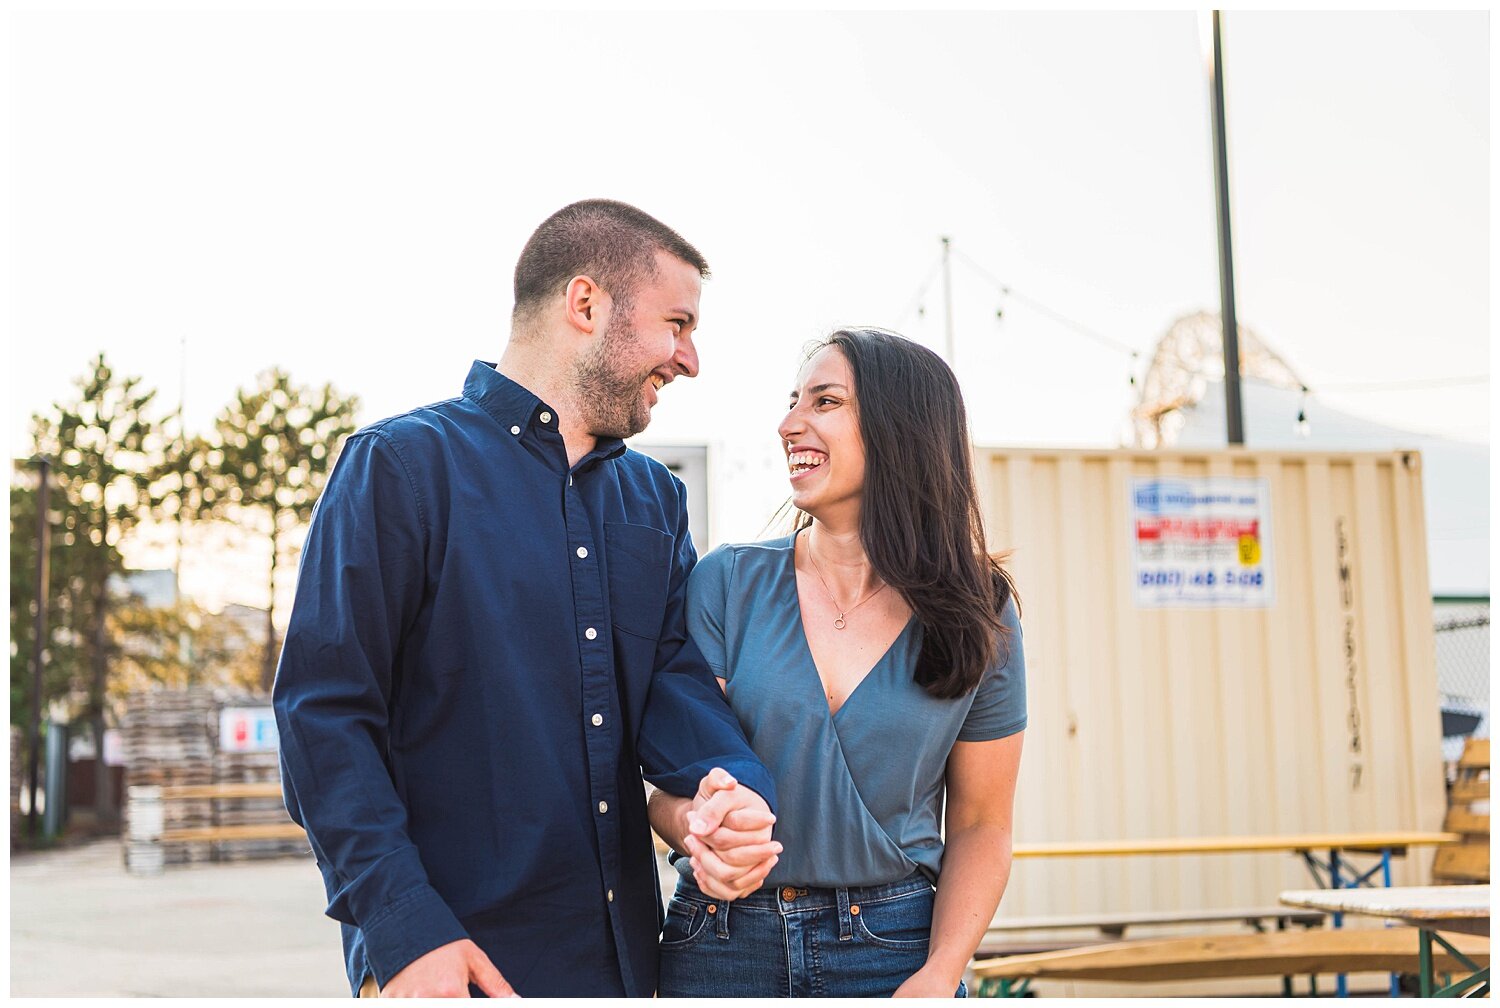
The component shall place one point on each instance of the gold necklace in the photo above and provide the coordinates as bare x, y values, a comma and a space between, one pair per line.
839, 623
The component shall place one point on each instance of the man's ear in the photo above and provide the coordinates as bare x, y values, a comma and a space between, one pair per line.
585, 303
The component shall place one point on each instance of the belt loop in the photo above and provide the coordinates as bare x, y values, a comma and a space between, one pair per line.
721, 922
846, 921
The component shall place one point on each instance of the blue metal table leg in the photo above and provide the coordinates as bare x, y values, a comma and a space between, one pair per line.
1385, 877
1342, 989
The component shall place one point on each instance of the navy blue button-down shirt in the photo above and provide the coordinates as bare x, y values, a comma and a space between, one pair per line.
486, 652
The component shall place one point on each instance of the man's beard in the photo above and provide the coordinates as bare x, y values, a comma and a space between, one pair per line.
609, 401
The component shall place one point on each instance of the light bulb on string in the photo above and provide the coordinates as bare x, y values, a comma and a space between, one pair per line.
1303, 428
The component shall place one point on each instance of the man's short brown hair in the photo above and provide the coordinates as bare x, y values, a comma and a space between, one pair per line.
610, 242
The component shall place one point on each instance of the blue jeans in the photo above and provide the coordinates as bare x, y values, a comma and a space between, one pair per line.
794, 941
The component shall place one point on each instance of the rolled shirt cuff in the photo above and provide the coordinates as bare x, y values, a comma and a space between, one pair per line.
746, 770
407, 929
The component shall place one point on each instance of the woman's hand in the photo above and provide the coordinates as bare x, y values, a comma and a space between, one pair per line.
927, 983
729, 837
725, 829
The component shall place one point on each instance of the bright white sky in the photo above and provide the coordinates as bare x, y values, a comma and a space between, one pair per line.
344, 194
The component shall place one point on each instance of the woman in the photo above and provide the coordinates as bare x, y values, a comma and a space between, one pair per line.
873, 657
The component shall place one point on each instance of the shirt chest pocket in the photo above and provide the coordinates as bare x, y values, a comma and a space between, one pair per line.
639, 565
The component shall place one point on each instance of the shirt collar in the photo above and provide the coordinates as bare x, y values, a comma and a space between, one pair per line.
519, 410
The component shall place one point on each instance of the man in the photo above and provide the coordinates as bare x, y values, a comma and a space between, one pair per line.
487, 650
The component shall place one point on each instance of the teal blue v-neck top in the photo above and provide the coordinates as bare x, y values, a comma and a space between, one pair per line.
860, 792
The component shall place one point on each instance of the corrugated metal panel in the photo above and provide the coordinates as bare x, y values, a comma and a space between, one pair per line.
1318, 713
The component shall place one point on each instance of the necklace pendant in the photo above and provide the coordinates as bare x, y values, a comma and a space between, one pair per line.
839, 623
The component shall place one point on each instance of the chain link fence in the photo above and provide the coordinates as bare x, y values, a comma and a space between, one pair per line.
1462, 632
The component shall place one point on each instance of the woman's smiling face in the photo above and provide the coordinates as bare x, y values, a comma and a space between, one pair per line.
820, 436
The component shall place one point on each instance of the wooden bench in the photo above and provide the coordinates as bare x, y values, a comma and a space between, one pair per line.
1112, 927
1216, 956
223, 833
263, 789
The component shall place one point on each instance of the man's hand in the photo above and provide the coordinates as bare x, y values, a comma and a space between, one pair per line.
446, 972
729, 837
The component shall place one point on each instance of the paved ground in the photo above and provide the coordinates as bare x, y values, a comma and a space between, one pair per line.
81, 925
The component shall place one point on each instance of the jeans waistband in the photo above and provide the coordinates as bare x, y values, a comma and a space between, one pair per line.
793, 897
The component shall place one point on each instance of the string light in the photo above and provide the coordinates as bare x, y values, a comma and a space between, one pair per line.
918, 303
1036, 305
1007, 291
1302, 427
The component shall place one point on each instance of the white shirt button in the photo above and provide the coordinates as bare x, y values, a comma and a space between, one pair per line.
610, 895
545, 417
515, 430
603, 807
591, 633
582, 552
597, 719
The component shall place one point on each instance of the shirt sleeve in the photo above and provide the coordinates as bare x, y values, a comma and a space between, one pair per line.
999, 707
707, 602
687, 727
358, 590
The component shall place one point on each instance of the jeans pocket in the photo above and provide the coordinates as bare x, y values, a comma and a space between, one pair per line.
686, 921
902, 922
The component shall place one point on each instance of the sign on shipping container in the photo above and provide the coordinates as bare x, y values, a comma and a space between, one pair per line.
1202, 542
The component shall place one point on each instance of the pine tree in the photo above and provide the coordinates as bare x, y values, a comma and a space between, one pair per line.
106, 456
270, 454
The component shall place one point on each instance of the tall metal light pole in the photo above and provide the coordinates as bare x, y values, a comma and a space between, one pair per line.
38, 637
1234, 412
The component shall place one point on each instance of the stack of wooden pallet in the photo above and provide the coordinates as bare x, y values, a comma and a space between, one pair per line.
190, 802
167, 740
1469, 814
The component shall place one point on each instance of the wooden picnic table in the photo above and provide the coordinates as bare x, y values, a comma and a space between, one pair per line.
1373, 841
1322, 853
284, 829
1464, 909
253, 789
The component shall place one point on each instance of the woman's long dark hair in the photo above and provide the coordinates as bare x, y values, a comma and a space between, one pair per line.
920, 522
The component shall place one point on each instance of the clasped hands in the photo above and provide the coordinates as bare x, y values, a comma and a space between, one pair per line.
728, 836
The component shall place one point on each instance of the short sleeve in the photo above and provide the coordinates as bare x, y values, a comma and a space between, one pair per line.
1000, 702
707, 601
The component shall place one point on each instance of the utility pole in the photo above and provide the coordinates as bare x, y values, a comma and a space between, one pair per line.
38, 637
1234, 412
948, 308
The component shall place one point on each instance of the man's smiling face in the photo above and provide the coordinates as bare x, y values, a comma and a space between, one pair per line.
647, 342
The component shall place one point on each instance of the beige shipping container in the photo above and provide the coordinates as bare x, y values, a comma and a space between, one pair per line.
1317, 712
